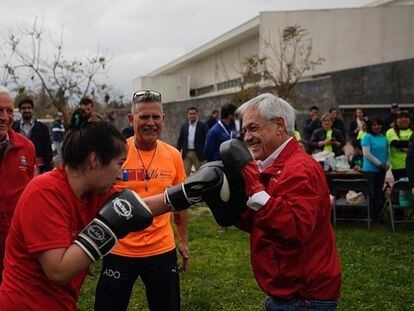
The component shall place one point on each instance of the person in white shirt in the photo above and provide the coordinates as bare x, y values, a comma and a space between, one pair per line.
191, 141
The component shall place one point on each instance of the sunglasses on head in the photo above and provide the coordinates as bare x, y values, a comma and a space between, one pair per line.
146, 95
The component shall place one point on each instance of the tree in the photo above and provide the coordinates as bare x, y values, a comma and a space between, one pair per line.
285, 62
26, 65
251, 77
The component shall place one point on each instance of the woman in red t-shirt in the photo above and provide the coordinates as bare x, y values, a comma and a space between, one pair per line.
51, 242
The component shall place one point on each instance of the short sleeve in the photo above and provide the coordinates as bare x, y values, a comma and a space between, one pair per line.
45, 221
366, 140
179, 167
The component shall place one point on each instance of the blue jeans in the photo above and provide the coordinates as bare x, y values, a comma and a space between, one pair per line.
273, 304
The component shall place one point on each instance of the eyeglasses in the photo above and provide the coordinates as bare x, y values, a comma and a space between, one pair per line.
146, 96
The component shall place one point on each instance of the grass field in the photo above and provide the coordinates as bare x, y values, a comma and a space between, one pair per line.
378, 270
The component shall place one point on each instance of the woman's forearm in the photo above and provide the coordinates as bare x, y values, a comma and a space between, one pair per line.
370, 157
63, 264
157, 205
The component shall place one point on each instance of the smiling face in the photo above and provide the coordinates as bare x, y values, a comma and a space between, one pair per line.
403, 122
6, 113
262, 137
327, 123
376, 127
26, 109
147, 120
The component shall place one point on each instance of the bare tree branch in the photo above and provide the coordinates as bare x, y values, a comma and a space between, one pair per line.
60, 78
289, 58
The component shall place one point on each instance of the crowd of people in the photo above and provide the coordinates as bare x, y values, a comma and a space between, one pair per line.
113, 197
378, 144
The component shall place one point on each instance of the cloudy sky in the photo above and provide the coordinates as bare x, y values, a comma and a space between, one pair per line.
143, 35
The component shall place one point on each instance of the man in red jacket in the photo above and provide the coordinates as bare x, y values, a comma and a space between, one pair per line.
293, 249
17, 160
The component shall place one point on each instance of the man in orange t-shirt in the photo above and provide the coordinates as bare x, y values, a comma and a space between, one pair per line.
151, 166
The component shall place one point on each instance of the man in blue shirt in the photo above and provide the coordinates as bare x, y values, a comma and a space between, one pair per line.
223, 130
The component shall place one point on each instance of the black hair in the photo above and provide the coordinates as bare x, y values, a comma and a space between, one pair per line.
356, 144
314, 108
86, 101
215, 111
227, 110
364, 113
401, 113
376, 120
88, 135
332, 109
26, 100
192, 108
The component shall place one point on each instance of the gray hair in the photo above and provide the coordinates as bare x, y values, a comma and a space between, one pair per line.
272, 107
134, 106
5, 90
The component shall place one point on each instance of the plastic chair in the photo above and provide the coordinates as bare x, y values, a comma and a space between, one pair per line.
392, 203
339, 187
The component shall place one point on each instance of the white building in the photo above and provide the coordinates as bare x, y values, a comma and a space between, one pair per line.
381, 32
389, 3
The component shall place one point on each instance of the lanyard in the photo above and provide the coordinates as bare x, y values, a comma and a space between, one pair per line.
224, 128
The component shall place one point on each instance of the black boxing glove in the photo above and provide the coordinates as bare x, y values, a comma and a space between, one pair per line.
122, 213
209, 176
243, 175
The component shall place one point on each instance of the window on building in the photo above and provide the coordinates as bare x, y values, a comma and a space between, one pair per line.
201, 90
228, 84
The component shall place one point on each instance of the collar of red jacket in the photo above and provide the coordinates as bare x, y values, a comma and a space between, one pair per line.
16, 140
286, 153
